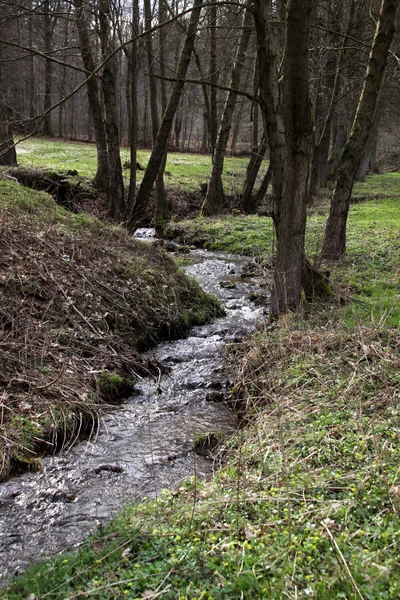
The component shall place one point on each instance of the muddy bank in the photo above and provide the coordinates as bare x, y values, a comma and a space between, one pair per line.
142, 447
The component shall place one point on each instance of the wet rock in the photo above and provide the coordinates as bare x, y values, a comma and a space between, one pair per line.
227, 285
109, 468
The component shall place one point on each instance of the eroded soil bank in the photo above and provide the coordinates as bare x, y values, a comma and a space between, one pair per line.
143, 446
78, 301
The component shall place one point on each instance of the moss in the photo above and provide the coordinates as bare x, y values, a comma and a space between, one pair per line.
112, 387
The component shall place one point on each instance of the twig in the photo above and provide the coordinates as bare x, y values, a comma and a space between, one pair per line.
344, 561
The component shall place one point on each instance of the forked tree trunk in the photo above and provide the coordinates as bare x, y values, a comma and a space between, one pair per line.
334, 245
299, 136
160, 142
215, 197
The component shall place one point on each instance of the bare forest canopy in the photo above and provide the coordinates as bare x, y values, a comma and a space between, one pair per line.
313, 86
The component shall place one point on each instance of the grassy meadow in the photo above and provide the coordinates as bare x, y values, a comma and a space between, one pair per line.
183, 171
305, 502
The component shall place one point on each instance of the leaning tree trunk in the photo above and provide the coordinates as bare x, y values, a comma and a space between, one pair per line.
215, 192
248, 203
137, 214
299, 136
101, 179
334, 245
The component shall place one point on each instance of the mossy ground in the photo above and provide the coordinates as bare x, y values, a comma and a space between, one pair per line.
78, 298
306, 503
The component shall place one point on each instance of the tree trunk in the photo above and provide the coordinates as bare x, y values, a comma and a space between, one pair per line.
286, 294
101, 180
215, 197
161, 140
134, 121
213, 79
8, 155
334, 245
270, 101
116, 182
253, 167
48, 68
161, 207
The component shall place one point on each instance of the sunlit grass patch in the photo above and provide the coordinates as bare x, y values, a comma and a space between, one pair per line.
185, 171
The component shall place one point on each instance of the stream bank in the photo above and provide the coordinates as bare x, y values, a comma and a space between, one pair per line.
143, 446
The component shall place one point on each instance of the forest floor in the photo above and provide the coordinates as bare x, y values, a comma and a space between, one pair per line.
305, 502
79, 300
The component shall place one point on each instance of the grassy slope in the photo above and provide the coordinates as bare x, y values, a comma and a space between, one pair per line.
307, 502
78, 299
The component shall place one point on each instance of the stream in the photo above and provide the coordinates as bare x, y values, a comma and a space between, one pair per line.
142, 446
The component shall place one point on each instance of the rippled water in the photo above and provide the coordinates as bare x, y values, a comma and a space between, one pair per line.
142, 446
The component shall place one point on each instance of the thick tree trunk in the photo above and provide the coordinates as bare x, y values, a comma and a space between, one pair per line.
270, 101
101, 180
335, 233
215, 197
160, 143
286, 294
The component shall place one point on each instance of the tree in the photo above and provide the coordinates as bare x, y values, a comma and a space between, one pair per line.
160, 142
335, 233
298, 126
101, 179
215, 192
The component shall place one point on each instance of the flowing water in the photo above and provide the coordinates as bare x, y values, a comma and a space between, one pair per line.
142, 446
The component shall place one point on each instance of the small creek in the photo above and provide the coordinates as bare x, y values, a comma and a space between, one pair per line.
142, 446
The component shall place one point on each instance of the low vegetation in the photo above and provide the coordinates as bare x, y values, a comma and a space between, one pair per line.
183, 171
306, 501
79, 300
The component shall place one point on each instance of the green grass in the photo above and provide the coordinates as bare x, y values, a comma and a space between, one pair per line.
187, 171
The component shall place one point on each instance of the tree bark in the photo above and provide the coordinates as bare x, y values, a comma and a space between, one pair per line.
215, 197
116, 182
101, 179
286, 294
8, 155
334, 245
159, 146
270, 102
134, 121
257, 157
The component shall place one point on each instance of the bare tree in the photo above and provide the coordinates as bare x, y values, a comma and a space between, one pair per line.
335, 233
